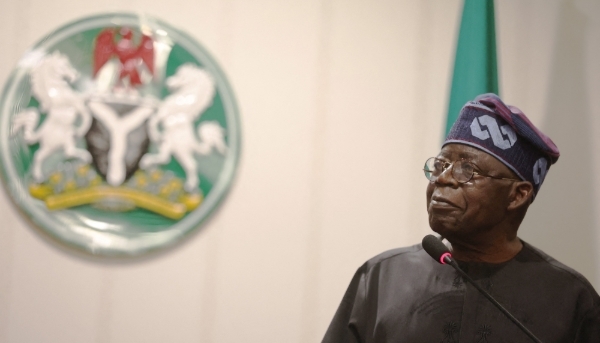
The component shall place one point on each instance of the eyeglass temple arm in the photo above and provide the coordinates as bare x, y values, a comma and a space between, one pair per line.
496, 177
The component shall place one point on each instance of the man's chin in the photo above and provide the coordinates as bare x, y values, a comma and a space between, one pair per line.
444, 228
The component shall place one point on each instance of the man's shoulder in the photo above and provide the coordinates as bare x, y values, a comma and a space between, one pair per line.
553, 267
406, 255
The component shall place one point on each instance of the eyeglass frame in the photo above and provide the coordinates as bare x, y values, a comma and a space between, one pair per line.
450, 165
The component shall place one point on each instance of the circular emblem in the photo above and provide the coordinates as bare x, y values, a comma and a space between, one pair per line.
118, 134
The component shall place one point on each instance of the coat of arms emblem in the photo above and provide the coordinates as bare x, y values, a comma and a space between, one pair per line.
118, 135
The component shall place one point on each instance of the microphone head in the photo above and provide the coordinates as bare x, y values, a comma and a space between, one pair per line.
435, 248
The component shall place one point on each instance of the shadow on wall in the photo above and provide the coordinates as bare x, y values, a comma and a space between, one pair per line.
561, 220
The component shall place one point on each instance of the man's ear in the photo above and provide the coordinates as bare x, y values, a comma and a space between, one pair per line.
520, 195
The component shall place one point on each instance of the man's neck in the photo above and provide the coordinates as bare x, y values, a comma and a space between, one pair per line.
490, 250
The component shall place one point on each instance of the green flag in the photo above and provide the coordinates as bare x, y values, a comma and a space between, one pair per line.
475, 66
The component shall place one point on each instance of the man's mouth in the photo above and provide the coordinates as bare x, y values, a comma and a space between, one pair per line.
442, 203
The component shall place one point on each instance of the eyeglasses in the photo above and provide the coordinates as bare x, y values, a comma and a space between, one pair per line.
462, 171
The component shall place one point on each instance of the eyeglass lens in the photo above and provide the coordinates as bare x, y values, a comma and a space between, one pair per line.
462, 171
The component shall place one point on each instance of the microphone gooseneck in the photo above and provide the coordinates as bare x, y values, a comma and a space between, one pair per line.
439, 252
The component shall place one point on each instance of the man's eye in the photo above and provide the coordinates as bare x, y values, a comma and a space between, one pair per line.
467, 167
438, 165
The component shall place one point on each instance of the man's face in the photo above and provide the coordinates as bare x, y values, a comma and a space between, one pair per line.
463, 210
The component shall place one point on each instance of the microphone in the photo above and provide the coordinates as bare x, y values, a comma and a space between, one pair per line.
439, 252
436, 249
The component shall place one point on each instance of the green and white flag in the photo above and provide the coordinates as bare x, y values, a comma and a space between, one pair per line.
475, 66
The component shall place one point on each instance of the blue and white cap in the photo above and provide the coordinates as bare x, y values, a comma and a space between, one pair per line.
505, 133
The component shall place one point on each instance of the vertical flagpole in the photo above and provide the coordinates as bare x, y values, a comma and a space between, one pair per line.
475, 64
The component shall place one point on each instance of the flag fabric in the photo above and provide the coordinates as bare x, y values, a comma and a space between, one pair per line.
475, 65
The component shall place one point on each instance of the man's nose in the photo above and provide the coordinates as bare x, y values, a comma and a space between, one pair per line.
446, 177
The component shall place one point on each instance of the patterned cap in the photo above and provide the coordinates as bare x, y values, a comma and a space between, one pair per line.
505, 133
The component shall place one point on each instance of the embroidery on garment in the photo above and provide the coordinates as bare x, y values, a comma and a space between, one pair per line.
484, 332
457, 282
488, 285
450, 328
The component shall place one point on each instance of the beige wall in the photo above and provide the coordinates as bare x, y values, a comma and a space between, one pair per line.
341, 102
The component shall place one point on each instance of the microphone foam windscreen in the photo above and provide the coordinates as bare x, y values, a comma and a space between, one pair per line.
434, 247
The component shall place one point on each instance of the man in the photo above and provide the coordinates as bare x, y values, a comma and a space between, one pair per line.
488, 172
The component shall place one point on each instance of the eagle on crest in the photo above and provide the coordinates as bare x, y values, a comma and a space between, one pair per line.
130, 56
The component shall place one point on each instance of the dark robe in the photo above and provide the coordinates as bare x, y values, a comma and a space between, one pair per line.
403, 295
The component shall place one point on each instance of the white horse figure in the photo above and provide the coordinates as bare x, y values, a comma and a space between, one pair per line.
172, 127
50, 80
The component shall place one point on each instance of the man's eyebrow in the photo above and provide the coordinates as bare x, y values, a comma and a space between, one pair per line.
467, 155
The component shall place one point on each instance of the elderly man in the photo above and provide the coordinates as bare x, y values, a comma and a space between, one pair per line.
481, 183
